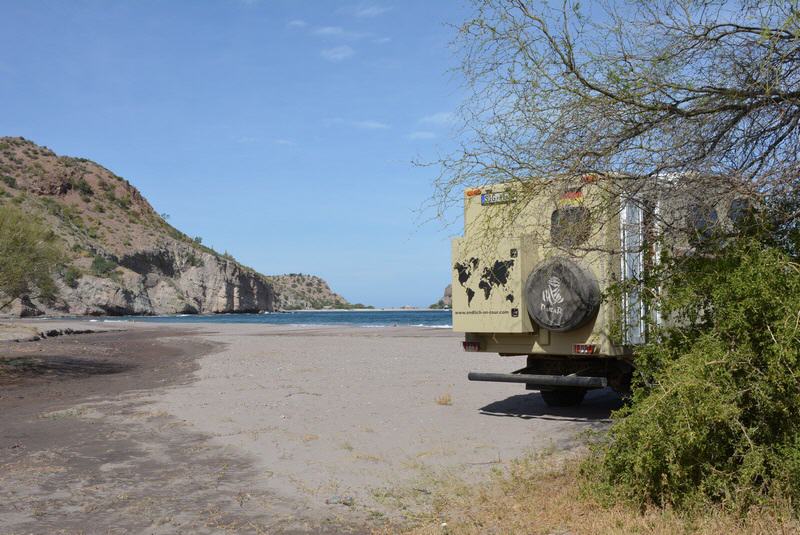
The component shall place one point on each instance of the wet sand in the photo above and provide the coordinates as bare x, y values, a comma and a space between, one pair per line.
252, 428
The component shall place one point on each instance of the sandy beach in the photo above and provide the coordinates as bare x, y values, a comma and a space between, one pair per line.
252, 428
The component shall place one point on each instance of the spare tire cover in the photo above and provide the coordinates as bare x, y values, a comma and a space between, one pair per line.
561, 295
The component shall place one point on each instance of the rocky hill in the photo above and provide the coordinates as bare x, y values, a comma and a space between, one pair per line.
297, 291
447, 299
123, 257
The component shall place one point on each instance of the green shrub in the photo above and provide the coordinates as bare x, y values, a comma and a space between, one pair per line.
122, 202
71, 276
103, 267
83, 188
70, 214
194, 261
9, 181
28, 255
714, 413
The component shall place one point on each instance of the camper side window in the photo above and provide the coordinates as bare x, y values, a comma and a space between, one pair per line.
702, 220
570, 226
742, 213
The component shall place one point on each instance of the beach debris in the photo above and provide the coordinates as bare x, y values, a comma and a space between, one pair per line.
349, 501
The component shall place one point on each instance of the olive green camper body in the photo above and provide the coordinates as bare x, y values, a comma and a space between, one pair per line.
507, 236
515, 233
500, 321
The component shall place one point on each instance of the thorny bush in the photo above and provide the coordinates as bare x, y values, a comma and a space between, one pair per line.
714, 409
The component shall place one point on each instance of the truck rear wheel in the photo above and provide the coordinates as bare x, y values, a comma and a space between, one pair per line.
563, 397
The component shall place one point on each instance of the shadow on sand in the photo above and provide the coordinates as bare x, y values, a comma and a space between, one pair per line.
58, 366
596, 407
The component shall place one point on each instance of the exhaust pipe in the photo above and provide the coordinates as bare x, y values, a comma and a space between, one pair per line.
547, 381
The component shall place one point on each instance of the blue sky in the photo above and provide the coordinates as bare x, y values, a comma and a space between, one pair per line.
281, 131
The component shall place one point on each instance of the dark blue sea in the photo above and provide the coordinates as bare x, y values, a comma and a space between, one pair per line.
370, 318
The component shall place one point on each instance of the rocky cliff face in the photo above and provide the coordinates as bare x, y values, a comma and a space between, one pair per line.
209, 285
123, 257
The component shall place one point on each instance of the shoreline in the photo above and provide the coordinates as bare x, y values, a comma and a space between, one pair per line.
89, 317
314, 318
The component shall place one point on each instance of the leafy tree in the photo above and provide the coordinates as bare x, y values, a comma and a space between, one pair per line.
689, 100
694, 98
28, 256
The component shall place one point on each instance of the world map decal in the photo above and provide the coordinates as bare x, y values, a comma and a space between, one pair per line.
491, 277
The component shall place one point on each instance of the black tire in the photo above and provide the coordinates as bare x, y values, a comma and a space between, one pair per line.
561, 295
563, 397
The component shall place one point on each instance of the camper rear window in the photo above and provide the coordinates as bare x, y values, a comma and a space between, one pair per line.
741, 212
570, 226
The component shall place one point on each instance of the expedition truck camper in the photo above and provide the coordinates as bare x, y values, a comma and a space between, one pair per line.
529, 277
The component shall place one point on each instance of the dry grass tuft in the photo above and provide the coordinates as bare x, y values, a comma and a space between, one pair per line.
444, 399
542, 495
75, 412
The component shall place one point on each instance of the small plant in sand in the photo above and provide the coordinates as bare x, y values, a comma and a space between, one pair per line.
445, 399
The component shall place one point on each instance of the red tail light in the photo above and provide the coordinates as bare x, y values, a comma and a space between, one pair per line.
471, 346
585, 349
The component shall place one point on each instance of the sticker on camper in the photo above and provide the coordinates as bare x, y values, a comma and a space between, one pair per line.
571, 198
497, 198
552, 299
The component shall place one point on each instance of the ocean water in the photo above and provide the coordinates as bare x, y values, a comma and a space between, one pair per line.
369, 318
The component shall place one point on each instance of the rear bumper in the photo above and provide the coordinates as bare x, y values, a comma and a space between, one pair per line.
546, 381
546, 344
